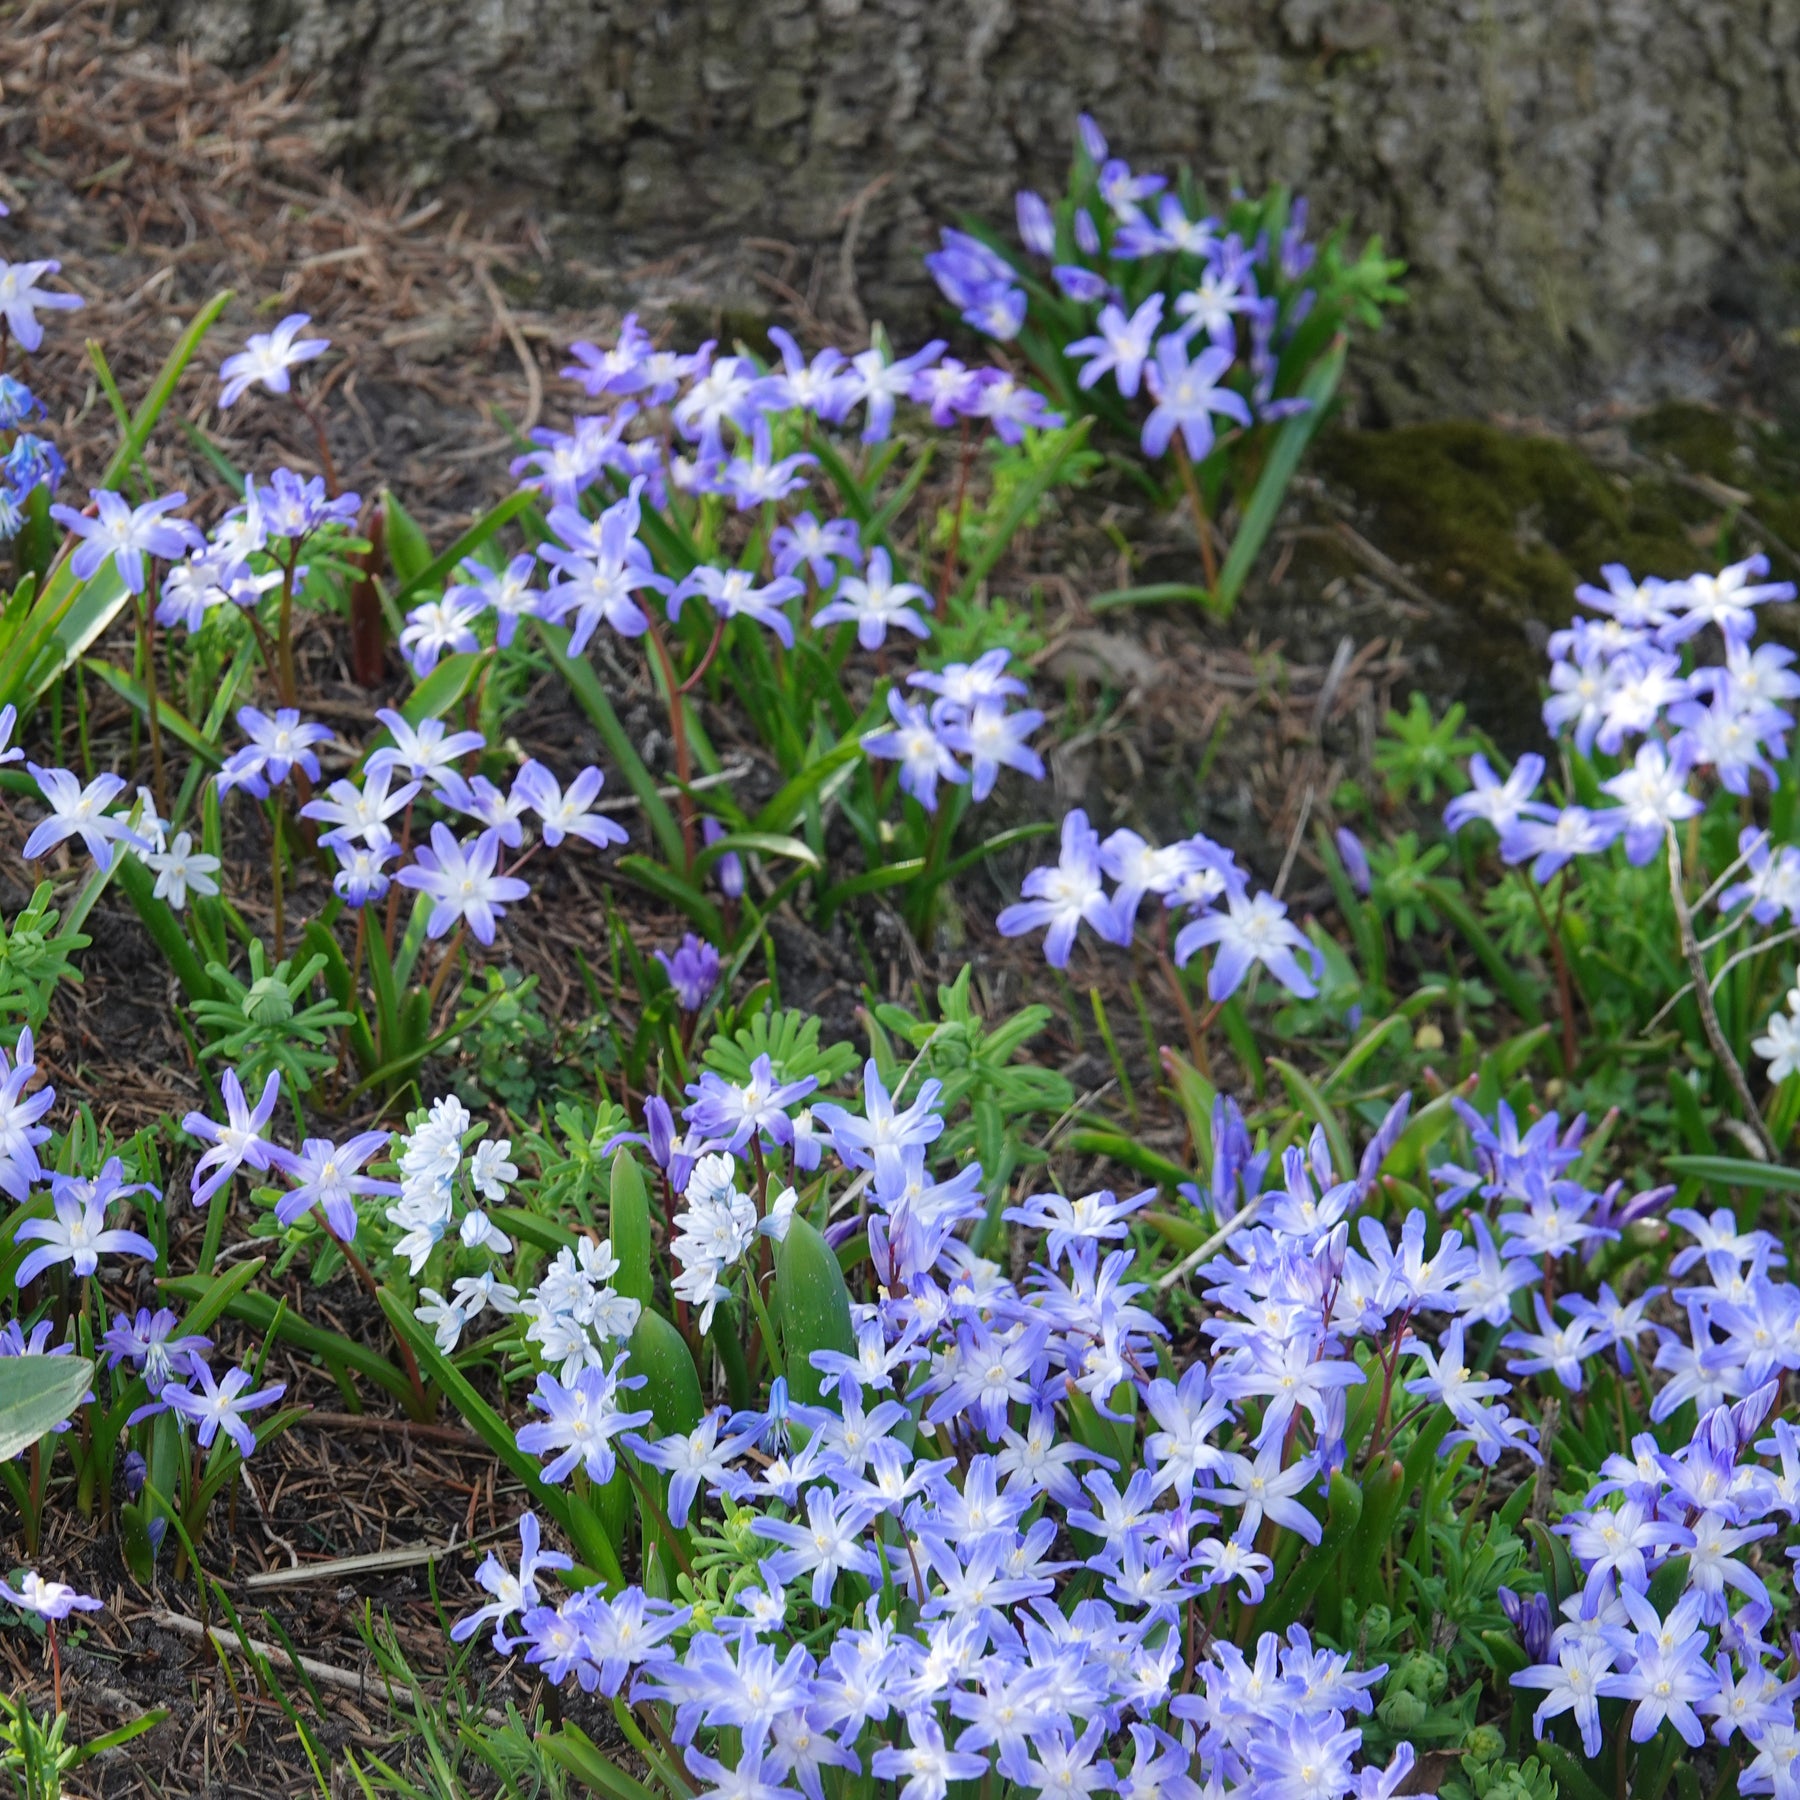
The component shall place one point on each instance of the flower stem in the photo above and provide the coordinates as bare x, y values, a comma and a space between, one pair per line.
326, 465
280, 899
678, 732
284, 631
956, 515
1709, 1014
145, 608
444, 967
1202, 524
764, 1324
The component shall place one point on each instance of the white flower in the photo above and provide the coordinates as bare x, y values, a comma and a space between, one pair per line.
181, 867
444, 1316
716, 1174
474, 1293
718, 1229
597, 1260
150, 826
780, 1215
489, 1170
699, 1285
1780, 1046
564, 1341
612, 1314
479, 1232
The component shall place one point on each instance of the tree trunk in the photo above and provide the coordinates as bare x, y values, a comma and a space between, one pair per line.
1572, 181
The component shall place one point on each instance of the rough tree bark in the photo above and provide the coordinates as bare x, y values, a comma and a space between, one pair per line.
1571, 180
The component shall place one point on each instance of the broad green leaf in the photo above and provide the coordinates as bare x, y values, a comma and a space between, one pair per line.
74, 613
1311, 1102
1129, 1152
870, 881
263, 1314
790, 800
812, 1304
577, 1753
408, 548
1343, 1510
628, 1221
163, 925
671, 1382
37, 1392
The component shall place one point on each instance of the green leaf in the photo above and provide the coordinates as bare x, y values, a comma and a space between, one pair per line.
1129, 1152
857, 501
37, 1392
162, 390
758, 843
72, 612
1343, 1510
1259, 511
1311, 1102
1572, 1778
628, 1220
415, 1046
1001, 840
671, 887
163, 925
790, 800
408, 548
1450, 901
441, 566
443, 687
259, 1311
1738, 1172
870, 881
131, 691
584, 683
671, 1382
573, 1750
812, 1304
1155, 593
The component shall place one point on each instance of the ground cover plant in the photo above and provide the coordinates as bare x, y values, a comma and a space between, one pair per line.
1420, 1419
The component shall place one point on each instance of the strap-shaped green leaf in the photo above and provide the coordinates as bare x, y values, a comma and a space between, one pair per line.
629, 1223
671, 1387
37, 1392
441, 565
1733, 1171
813, 1305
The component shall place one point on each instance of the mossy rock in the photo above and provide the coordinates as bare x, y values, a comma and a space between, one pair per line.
1499, 527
